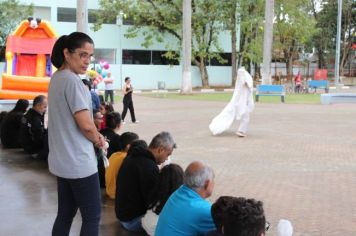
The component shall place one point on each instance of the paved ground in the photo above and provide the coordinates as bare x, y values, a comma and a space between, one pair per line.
300, 160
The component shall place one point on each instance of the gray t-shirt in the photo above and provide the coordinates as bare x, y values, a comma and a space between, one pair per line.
71, 154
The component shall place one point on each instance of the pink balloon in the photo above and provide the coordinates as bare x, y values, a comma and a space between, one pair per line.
106, 65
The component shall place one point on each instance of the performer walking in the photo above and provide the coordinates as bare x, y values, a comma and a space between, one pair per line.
128, 103
239, 107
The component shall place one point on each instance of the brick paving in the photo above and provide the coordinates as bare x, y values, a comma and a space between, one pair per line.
300, 160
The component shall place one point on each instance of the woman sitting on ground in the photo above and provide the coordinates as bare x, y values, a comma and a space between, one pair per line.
11, 124
170, 179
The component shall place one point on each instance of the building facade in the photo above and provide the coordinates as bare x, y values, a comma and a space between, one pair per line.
127, 57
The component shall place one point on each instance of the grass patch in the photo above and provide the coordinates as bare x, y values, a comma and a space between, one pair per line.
289, 99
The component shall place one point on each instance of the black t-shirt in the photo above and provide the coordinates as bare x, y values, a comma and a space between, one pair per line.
10, 130
113, 140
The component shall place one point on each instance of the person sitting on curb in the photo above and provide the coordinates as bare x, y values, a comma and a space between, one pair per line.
244, 217
111, 132
218, 212
137, 178
33, 134
11, 125
170, 179
187, 212
115, 162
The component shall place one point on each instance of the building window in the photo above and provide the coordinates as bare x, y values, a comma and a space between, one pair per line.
225, 56
43, 13
158, 58
138, 57
66, 14
105, 54
92, 17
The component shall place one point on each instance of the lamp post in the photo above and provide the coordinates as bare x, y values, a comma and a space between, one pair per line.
338, 35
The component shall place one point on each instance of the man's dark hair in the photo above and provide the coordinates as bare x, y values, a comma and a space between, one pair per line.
127, 78
127, 138
244, 218
219, 209
38, 100
137, 144
113, 119
170, 179
21, 106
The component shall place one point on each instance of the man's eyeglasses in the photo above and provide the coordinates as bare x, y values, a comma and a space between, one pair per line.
267, 226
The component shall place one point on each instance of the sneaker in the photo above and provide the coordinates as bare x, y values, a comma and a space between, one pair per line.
123, 122
135, 122
240, 134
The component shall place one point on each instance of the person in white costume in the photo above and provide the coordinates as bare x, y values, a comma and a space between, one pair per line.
239, 107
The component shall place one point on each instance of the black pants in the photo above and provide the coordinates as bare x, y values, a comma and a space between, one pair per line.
128, 105
83, 193
111, 94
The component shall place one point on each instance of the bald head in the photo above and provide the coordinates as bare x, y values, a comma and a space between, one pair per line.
197, 174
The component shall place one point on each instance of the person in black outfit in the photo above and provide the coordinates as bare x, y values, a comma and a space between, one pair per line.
10, 126
138, 175
128, 103
33, 135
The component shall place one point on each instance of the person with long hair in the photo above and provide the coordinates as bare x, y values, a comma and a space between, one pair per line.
170, 179
71, 135
11, 124
127, 101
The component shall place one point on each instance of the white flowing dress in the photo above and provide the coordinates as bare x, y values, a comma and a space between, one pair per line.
240, 104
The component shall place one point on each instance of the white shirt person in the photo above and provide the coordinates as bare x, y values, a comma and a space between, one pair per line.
239, 107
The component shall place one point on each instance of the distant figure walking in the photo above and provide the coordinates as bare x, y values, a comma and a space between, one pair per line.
128, 103
239, 107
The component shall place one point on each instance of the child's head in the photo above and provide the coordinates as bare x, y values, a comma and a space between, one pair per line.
218, 210
126, 139
98, 118
113, 120
106, 108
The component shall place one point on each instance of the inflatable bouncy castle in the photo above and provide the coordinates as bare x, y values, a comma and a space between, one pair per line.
28, 65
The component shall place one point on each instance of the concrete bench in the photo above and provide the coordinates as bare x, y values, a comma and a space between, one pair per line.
270, 90
337, 98
319, 84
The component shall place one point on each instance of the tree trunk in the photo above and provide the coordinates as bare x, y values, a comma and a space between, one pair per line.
187, 48
204, 74
82, 16
233, 48
268, 42
321, 59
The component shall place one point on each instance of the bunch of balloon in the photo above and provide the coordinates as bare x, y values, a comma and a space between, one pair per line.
102, 72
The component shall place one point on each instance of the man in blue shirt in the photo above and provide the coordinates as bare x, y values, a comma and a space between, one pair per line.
187, 212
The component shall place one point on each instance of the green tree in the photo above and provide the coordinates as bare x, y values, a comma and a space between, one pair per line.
294, 27
155, 19
325, 38
11, 14
247, 16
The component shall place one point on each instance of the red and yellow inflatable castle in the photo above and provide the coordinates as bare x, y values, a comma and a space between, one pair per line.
28, 64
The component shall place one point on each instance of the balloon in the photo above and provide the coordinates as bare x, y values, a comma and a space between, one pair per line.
99, 69
91, 73
104, 73
106, 65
